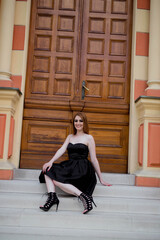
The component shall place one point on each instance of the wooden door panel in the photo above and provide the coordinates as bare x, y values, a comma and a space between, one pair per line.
44, 138
52, 68
119, 164
105, 59
72, 41
116, 147
67, 5
98, 6
47, 114
117, 47
65, 44
42, 135
48, 4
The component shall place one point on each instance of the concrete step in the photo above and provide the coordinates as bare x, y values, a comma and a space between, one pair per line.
21, 186
118, 179
123, 211
77, 220
109, 204
45, 233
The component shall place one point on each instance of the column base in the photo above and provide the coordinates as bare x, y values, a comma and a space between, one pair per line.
6, 170
147, 178
147, 182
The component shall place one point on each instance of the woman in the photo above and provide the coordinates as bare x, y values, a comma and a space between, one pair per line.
77, 175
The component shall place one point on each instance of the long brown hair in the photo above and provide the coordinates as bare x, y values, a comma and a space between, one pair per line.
85, 122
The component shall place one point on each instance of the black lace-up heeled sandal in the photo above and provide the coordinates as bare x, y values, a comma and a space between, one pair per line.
51, 200
93, 201
87, 202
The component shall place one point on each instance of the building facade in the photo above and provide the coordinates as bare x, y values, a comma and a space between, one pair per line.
49, 50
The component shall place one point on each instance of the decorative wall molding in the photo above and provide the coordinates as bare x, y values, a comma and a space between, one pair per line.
8, 99
148, 108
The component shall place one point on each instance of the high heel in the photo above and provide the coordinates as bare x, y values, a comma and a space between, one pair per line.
51, 200
87, 202
93, 201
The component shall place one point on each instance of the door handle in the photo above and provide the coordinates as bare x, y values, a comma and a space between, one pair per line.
83, 89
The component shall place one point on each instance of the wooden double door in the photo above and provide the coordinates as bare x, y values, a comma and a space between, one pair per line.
74, 43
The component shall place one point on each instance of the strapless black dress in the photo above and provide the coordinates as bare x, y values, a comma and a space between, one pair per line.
78, 170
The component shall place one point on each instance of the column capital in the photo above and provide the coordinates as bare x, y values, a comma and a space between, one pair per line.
148, 108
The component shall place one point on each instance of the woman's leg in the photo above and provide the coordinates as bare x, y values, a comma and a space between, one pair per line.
86, 200
50, 184
69, 188
52, 197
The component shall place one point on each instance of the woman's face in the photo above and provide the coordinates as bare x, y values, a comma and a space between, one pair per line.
78, 123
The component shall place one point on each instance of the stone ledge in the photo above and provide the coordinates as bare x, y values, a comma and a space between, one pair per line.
147, 97
11, 89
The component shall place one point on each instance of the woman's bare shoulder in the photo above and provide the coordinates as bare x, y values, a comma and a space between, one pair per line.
89, 137
70, 136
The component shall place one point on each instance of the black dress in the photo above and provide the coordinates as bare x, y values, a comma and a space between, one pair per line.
78, 170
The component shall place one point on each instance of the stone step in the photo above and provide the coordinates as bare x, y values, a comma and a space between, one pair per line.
123, 211
21, 186
77, 220
30, 233
107, 204
118, 179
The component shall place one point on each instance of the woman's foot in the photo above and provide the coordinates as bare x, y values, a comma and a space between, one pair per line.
87, 202
51, 200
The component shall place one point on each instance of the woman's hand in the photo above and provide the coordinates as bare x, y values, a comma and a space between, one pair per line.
105, 183
47, 165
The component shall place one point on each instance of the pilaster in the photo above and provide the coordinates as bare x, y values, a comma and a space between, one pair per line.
154, 50
7, 13
14, 35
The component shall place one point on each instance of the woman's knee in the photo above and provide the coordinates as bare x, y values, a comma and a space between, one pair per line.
55, 183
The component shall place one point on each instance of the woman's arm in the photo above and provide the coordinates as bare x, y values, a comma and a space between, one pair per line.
58, 154
92, 151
